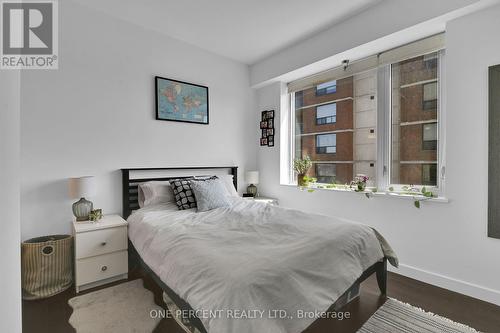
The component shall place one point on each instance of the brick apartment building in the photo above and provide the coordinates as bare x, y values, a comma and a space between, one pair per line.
336, 125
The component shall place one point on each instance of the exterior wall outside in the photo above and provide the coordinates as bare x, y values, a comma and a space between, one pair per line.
365, 124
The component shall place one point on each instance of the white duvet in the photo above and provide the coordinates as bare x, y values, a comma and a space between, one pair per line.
245, 267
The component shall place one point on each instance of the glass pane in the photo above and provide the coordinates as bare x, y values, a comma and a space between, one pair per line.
326, 172
326, 110
430, 132
414, 121
325, 140
329, 87
335, 125
430, 91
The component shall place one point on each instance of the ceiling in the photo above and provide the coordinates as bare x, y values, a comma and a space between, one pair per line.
244, 30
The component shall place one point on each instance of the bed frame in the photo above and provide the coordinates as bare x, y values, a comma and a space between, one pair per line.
130, 202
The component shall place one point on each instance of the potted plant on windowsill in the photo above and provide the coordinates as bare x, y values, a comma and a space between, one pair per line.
301, 166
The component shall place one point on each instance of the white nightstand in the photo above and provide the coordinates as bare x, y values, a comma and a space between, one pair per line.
271, 201
100, 252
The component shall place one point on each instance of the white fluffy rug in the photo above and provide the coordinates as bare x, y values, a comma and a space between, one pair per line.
124, 308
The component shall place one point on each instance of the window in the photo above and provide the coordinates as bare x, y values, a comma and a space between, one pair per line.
355, 130
326, 143
429, 136
411, 156
429, 96
326, 173
396, 93
326, 88
326, 114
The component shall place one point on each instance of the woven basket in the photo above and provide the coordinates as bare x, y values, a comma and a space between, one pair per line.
47, 266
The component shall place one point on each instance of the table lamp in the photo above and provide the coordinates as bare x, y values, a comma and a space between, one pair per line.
252, 178
80, 188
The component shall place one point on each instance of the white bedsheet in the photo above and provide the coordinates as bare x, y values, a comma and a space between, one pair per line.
254, 258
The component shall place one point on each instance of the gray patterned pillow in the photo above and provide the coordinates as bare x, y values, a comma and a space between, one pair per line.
210, 194
184, 197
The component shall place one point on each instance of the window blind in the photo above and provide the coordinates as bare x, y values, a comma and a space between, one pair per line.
420, 47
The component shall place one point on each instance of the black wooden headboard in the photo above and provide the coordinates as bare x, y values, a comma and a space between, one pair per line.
130, 183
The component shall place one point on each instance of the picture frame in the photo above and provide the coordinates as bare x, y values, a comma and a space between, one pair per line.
270, 141
181, 101
267, 127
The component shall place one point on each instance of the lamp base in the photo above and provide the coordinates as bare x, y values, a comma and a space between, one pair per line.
82, 209
252, 189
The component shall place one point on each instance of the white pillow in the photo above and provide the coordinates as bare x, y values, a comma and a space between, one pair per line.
227, 180
155, 192
210, 194
228, 183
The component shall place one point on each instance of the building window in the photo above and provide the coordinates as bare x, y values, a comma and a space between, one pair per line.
326, 88
326, 173
429, 96
429, 136
326, 143
410, 157
326, 114
429, 174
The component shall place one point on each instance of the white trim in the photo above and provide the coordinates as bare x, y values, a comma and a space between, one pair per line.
441, 153
384, 88
443, 281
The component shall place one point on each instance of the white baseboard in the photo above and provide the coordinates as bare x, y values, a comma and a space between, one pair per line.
459, 286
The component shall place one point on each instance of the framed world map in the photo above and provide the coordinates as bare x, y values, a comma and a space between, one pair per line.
181, 101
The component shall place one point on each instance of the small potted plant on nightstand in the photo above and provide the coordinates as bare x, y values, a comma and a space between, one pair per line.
301, 166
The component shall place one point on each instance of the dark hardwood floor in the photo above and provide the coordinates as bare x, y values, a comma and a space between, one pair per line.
51, 315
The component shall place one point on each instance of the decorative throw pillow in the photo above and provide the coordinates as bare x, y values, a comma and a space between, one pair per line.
184, 197
210, 194
227, 180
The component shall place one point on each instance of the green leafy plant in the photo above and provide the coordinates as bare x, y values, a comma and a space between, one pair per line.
301, 166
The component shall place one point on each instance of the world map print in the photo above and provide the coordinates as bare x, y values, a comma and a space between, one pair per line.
181, 101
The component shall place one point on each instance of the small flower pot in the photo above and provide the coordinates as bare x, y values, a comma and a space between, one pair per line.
301, 181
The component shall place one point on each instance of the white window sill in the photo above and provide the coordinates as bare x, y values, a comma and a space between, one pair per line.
375, 194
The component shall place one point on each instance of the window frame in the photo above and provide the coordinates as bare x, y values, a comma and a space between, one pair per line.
384, 143
432, 104
316, 136
316, 165
324, 91
384, 135
424, 141
326, 123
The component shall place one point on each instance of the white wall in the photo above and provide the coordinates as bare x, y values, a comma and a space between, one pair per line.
95, 115
10, 260
443, 243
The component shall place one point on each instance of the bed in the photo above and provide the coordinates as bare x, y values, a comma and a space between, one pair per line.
250, 267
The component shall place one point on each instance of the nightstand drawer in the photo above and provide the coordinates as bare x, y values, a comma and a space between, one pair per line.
94, 243
101, 267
